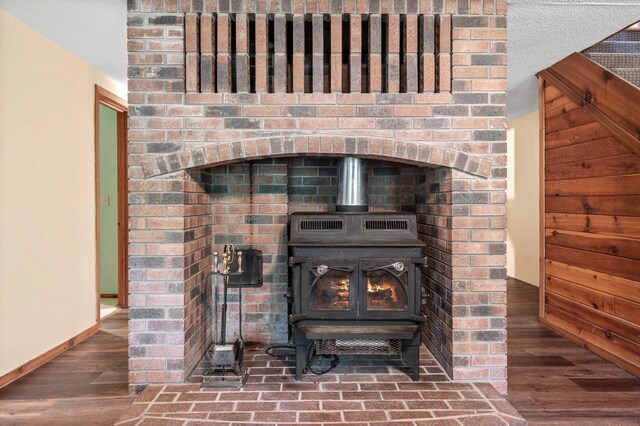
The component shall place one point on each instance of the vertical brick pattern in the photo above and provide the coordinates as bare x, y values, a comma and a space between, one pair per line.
298, 53
317, 31
411, 54
207, 43
355, 56
262, 49
242, 53
410, 65
336, 53
223, 58
280, 53
427, 57
444, 56
393, 56
375, 53
191, 49
178, 212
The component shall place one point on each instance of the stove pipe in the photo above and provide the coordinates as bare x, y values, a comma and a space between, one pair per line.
352, 185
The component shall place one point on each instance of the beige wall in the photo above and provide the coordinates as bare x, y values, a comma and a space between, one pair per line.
47, 211
523, 245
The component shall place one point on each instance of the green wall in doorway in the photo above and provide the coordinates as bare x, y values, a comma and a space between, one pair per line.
108, 201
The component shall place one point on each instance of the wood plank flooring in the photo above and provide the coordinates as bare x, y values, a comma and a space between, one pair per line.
86, 385
551, 381
555, 382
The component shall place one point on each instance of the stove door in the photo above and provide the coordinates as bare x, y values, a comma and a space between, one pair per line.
386, 291
329, 289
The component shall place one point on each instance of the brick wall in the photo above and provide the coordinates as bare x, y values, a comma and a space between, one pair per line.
251, 203
182, 132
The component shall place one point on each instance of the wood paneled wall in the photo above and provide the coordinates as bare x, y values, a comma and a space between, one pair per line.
591, 205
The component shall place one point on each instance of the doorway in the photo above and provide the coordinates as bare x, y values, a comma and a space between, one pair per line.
111, 201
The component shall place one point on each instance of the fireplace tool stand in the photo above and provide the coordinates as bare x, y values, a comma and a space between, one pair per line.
227, 359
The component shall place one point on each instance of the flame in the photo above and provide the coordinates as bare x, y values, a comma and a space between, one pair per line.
344, 284
377, 287
373, 287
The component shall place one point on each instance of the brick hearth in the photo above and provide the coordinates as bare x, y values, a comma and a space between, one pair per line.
228, 134
359, 392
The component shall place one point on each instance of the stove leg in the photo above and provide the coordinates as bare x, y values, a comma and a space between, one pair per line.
301, 360
411, 355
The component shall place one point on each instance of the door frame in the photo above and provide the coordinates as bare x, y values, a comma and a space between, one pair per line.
110, 100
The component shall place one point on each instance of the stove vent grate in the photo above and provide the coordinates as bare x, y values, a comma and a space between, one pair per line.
385, 225
357, 347
321, 225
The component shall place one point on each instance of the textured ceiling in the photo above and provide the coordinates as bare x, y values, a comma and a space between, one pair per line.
93, 30
541, 32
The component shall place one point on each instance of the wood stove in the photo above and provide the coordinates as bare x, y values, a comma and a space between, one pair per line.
355, 285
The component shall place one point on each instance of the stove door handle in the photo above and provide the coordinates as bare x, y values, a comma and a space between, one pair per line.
398, 266
320, 270
323, 269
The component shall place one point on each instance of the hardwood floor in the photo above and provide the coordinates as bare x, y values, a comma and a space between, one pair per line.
86, 385
551, 380
555, 382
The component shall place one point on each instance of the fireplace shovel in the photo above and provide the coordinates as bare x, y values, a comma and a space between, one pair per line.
227, 359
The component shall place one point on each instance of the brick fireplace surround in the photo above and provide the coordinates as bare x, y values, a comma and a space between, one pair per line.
228, 134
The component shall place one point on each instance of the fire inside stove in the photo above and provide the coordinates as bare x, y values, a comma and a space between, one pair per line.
332, 291
385, 292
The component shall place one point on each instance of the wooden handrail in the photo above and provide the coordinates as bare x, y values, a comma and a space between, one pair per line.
609, 99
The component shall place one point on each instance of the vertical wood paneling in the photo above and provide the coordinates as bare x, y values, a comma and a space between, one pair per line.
591, 193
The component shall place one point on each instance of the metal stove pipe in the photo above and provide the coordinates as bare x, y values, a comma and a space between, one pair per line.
352, 185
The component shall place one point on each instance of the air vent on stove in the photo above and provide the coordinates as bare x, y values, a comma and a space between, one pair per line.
321, 225
385, 225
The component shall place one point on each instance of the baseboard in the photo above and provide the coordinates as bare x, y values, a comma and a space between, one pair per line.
36, 362
592, 347
108, 295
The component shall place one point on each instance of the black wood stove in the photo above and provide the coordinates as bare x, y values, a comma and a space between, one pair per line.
355, 285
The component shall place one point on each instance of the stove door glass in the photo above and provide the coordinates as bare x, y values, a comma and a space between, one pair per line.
386, 289
331, 289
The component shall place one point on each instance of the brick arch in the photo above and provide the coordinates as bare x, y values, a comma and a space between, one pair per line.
219, 153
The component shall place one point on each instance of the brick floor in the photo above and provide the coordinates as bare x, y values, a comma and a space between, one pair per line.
360, 391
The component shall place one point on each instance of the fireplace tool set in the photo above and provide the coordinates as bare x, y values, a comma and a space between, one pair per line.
227, 359
240, 268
